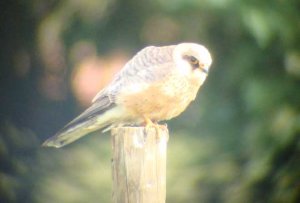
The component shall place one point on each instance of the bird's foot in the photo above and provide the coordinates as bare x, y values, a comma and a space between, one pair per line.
150, 124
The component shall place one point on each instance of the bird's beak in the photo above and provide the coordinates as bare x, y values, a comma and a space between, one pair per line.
203, 69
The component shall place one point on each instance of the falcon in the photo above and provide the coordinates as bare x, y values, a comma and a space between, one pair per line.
157, 84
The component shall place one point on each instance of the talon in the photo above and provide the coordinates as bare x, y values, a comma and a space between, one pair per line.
149, 123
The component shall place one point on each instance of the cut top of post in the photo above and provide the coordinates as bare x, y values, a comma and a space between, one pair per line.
139, 164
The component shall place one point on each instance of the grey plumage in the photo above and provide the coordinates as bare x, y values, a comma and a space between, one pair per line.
140, 69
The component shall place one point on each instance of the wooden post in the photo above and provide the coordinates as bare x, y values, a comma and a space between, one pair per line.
139, 164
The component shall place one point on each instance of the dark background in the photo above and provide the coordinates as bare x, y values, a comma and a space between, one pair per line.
238, 142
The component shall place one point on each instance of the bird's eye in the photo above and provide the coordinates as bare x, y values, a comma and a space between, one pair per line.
192, 60
195, 63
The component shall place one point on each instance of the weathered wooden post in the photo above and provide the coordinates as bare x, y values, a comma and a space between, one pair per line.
139, 164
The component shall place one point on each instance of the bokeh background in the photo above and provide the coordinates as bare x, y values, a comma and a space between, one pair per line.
238, 142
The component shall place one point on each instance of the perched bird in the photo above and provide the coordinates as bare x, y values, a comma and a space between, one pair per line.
157, 84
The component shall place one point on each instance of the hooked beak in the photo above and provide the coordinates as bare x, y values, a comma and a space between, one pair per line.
203, 69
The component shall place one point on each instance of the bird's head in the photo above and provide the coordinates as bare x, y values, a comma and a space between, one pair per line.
192, 60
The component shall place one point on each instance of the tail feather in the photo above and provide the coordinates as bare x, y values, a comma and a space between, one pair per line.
92, 119
72, 134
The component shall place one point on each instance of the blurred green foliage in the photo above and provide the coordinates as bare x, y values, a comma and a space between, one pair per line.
238, 142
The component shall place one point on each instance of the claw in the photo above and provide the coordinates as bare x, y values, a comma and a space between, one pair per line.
149, 124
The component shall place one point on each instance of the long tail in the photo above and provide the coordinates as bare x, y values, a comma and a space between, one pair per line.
69, 135
90, 120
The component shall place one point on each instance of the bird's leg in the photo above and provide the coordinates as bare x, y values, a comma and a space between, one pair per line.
149, 123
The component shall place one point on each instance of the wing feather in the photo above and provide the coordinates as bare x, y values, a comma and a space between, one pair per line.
102, 105
146, 67
86, 122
